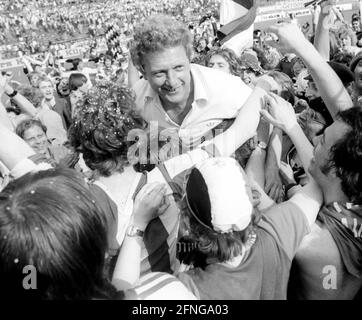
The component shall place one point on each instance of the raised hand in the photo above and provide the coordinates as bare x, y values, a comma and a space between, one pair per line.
290, 38
150, 202
279, 112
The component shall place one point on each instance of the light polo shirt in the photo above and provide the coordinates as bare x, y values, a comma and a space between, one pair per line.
217, 96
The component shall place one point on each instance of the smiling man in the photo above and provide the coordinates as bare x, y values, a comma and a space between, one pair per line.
181, 97
53, 102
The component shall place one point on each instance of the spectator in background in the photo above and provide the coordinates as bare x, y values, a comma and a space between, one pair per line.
34, 78
33, 132
348, 41
53, 102
78, 67
356, 25
63, 87
107, 71
224, 59
78, 88
251, 68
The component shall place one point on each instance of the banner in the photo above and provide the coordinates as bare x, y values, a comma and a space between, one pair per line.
11, 63
71, 53
298, 13
238, 17
293, 6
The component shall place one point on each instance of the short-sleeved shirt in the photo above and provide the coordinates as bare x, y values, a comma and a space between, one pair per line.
264, 273
217, 96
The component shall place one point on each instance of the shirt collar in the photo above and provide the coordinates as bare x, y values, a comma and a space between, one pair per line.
200, 94
49, 104
150, 93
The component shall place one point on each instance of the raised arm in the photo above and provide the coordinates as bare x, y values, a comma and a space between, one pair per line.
13, 149
246, 123
273, 185
33, 61
321, 38
24, 104
281, 114
149, 203
328, 83
27, 64
255, 166
4, 119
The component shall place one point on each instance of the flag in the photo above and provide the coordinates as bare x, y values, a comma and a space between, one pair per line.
237, 20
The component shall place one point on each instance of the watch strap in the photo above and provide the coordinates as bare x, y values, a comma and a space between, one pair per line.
13, 94
262, 145
134, 231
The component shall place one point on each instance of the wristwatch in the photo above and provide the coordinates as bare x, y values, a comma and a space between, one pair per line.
262, 145
133, 231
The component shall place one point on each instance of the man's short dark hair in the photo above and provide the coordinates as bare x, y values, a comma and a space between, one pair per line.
27, 124
346, 155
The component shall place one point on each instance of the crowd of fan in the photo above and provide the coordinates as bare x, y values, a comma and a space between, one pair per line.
184, 170
31, 27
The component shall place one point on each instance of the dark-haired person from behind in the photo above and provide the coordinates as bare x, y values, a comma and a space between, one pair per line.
50, 225
54, 243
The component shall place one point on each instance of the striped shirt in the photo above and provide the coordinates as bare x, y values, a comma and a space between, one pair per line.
159, 286
159, 244
158, 251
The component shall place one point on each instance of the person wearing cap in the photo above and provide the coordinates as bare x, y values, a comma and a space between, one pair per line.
251, 68
248, 256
